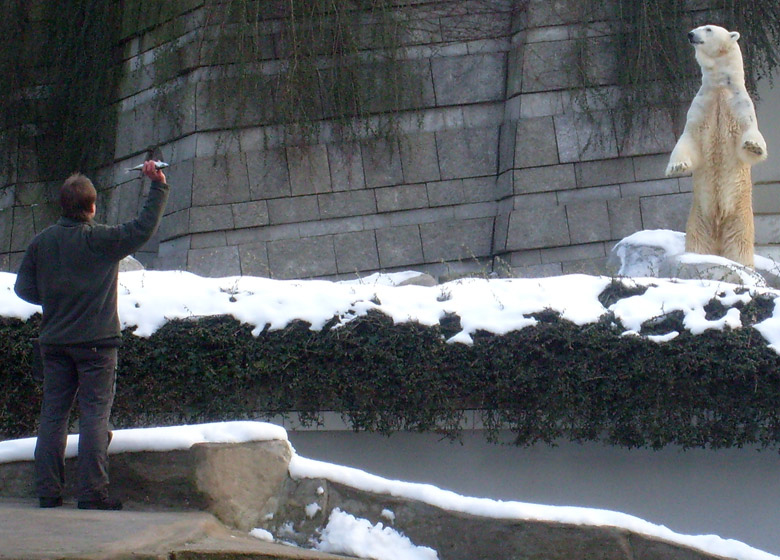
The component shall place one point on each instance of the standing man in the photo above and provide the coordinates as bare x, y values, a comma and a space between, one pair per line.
71, 269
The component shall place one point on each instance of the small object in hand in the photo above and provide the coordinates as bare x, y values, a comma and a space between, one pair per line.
157, 165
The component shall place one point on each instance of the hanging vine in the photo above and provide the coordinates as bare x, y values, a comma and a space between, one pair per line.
653, 61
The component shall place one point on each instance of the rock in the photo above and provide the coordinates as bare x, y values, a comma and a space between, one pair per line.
129, 264
459, 536
661, 254
420, 279
238, 483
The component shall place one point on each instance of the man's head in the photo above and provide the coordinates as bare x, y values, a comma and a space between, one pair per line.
77, 198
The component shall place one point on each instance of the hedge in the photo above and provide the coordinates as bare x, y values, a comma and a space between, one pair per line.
545, 383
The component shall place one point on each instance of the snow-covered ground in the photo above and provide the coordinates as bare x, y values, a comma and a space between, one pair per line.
148, 299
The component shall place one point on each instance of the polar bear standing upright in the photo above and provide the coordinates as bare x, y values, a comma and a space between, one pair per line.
719, 144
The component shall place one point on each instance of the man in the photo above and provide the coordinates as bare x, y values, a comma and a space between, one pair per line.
71, 270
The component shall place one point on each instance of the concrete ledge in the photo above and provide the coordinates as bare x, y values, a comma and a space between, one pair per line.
238, 483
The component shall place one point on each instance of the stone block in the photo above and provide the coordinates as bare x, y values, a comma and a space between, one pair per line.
309, 171
346, 167
302, 258
573, 253
650, 188
457, 240
28, 194
625, 217
650, 132
506, 145
180, 178
765, 199
419, 158
330, 227
6, 227
524, 231
461, 80
542, 104
174, 224
504, 185
588, 222
445, 193
208, 240
399, 246
648, 168
291, 210
589, 194
216, 262
548, 66
23, 229
585, 136
542, 13
476, 210
220, 180
544, 179
479, 189
468, 152
537, 270
46, 215
211, 218
604, 172
767, 229
7, 196
178, 246
254, 260
514, 71
592, 267
250, 214
346, 204
402, 197
665, 212
356, 252
268, 175
382, 163
535, 143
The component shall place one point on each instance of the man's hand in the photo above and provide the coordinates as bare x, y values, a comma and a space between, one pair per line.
152, 172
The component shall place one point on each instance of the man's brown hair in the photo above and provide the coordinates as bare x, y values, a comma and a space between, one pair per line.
77, 195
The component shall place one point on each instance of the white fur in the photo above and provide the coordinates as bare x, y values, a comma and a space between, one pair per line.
720, 142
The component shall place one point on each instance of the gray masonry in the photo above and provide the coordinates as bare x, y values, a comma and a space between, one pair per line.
497, 168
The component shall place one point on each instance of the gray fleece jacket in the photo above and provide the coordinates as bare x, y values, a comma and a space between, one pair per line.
72, 267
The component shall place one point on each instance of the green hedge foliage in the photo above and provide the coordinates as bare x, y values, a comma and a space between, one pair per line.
545, 383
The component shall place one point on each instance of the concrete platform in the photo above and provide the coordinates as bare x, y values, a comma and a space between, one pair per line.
30, 533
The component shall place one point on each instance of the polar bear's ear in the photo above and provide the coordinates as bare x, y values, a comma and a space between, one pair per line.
734, 36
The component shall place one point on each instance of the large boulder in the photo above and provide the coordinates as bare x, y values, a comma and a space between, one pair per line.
661, 254
238, 482
459, 536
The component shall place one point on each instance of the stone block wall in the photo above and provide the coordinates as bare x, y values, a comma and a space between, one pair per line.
496, 168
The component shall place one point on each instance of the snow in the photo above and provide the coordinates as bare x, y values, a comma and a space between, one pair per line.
148, 299
346, 534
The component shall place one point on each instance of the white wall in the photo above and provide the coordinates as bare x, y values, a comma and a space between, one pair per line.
732, 493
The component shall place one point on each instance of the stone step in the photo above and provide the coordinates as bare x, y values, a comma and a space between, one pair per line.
48, 534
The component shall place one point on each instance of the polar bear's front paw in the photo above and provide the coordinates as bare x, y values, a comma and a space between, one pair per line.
753, 148
678, 168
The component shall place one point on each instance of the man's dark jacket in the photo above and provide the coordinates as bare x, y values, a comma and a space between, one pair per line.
72, 267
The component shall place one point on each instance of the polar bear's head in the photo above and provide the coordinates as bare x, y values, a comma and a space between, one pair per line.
713, 41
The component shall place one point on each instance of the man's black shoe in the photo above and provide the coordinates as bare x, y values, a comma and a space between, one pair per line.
105, 504
50, 502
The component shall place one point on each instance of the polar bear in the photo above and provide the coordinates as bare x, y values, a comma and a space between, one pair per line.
719, 144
